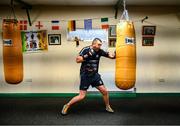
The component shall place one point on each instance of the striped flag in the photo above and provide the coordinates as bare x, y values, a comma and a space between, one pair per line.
88, 24
23, 24
104, 23
55, 25
71, 25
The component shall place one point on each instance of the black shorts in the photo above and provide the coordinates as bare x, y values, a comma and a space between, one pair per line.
93, 80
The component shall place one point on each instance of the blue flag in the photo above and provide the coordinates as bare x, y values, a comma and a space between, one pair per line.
88, 24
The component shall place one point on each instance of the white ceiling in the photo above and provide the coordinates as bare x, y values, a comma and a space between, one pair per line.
95, 2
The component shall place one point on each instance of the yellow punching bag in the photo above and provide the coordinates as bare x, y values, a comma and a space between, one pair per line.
125, 74
12, 52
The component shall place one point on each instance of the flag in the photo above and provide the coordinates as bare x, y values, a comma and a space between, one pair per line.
88, 24
55, 25
39, 25
23, 24
104, 23
71, 25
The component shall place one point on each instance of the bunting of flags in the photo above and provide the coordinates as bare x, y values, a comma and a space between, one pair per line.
104, 23
71, 25
23, 24
55, 25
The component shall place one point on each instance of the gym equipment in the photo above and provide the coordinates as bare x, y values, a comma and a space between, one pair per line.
125, 74
12, 51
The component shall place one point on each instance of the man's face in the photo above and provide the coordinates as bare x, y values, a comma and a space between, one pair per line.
96, 45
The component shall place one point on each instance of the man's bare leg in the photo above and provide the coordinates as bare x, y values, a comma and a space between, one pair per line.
105, 95
81, 96
74, 100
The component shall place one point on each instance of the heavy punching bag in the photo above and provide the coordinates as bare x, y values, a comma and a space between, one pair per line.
125, 74
12, 52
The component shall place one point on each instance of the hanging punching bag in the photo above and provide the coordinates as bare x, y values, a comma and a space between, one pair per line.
125, 74
12, 52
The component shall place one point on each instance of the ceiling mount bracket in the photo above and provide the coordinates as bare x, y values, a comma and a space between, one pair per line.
27, 7
118, 4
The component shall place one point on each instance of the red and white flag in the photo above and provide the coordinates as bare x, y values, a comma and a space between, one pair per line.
39, 25
55, 25
23, 24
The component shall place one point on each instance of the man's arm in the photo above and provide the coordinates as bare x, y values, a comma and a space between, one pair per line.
108, 55
83, 55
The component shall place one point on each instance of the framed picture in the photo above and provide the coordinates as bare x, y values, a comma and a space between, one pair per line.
149, 30
54, 39
34, 41
112, 31
148, 41
112, 42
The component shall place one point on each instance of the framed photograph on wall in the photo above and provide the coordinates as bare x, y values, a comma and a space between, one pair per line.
149, 30
112, 42
54, 39
148, 41
112, 31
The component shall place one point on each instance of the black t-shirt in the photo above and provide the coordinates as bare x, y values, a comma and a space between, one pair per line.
91, 64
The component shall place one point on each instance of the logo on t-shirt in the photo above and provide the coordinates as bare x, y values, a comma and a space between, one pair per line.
97, 56
100, 82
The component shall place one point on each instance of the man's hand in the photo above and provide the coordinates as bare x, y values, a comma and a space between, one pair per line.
79, 59
90, 53
112, 55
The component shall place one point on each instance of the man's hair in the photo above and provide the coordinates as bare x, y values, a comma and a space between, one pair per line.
96, 39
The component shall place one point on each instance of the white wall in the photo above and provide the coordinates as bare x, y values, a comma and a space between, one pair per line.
56, 71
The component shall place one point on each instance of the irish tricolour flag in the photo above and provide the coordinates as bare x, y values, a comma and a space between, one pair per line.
104, 23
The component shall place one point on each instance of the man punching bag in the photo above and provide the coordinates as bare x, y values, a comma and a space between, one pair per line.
12, 52
125, 75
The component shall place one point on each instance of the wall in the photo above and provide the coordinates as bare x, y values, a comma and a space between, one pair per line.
56, 71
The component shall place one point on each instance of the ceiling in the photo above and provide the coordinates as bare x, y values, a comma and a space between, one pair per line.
94, 2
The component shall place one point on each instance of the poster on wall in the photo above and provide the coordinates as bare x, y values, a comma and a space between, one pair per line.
89, 35
33, 41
